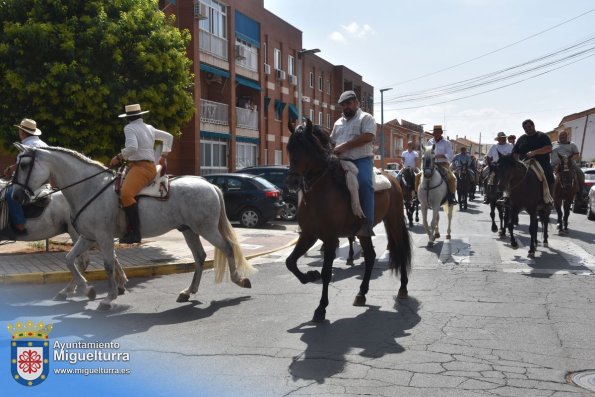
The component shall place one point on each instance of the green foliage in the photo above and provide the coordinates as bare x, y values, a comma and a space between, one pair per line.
72, 65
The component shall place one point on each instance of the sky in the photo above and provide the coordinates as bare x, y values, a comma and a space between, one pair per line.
405, 45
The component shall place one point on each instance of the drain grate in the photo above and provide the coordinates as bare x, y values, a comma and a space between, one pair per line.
584, 379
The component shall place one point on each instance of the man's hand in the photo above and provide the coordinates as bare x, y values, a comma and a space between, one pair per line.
340, 149
116, 161
8, 171
440, 156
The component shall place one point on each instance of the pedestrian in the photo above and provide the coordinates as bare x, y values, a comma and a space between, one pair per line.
566, 148
353, 136
29, 136
497, 150
443, 155
140, 157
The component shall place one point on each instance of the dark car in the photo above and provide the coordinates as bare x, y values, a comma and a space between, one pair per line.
277, 174
589, 181
249, 199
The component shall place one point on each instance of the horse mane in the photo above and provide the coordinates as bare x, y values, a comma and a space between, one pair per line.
76, 155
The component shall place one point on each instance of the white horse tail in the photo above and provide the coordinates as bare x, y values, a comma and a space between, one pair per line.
243, 268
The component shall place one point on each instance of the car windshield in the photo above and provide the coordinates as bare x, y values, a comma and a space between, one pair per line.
265, 183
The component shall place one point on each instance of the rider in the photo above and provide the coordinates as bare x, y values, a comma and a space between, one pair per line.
410, 160
140, 156
566, 148
443, 154
536, 144
512, 139
29, 136
461, 159
501, 148
353, 135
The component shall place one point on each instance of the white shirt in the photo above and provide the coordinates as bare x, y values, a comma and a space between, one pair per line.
565, 149
443, 147
345, 130
140, 139
409, 158
32, 141
503, 149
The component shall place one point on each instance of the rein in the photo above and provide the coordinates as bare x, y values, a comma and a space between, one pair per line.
55, 190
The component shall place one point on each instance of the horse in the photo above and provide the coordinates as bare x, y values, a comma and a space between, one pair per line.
325, 213
565, 189
51, 220
494, 194
464, 185
408, 188
98, 219
525, 191
432, 194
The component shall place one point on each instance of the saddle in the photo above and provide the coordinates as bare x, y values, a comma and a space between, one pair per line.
158, 188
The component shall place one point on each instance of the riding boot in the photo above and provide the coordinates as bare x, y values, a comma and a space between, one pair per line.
132, 235
366, 230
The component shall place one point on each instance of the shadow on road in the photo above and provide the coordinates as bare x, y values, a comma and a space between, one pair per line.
374, 333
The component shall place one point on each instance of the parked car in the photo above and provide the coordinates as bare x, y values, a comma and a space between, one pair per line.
589, 182
591, 204
249, 199
277, 174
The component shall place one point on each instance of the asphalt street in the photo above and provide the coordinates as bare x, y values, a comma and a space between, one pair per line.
482, 320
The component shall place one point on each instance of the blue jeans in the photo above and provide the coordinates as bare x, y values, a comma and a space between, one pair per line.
17, 215
366, 186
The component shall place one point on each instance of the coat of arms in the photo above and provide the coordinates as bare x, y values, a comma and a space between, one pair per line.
29, 352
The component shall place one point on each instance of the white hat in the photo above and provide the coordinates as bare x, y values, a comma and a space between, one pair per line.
133, 110
29, 126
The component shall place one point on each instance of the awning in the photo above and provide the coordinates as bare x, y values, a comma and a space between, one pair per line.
248, 83
214, 70
247, 139
247, 29
214, 135
279, 106
293, 112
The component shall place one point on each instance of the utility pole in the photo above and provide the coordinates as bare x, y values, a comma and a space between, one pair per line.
382, 126
583, 139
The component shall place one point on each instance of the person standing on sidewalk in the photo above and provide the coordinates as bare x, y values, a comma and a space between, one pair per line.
140, 156
353, 135
29, 136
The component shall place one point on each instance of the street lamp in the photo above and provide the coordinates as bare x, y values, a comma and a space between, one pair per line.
382, 126
301, 54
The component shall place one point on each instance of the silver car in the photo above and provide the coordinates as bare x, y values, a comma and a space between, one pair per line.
591, 204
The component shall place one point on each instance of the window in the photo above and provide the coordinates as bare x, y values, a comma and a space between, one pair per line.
216, 23
328, 120
278, 63
319, 83
278, 157
311, 80
213, 156
279, 107
328, 86
245, 154
291, 65
311, 115
319, 118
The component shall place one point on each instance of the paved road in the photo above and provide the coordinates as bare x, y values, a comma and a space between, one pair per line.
482, 320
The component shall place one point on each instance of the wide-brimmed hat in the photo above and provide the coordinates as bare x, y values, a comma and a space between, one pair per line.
500, 135
133, 110
347, 95
29, 126
511, 136
437, 127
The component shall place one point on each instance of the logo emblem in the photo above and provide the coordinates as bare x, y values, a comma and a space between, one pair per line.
29, 352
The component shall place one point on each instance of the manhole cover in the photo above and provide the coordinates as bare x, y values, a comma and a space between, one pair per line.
584, 379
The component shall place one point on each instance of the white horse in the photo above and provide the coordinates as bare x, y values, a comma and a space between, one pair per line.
431, 194
194, 207
55, 220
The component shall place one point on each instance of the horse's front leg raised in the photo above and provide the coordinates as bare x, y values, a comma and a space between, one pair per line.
302, 246
327, 272
369, 259
81, 245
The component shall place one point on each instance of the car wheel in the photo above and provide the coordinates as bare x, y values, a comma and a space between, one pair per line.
289, 211
590, 214
249, 217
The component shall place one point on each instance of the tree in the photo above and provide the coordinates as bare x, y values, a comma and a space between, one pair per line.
72, 65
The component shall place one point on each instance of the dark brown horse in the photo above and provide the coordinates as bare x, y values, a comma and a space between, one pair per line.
325, 213
494, 194
565, 189
408, 189
525, 192
464, 185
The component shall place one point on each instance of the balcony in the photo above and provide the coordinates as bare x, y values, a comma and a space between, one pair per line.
247, 118
213, 45
214, 112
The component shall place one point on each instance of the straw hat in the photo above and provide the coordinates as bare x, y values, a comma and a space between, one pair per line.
133, 110
500, 135
29, 126
437, 127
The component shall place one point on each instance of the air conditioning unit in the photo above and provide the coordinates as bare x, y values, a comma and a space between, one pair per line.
280, 74
240, 52
201, 11
292, 79
267, 68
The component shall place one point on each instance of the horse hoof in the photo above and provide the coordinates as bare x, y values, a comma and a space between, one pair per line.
91, 294
103, 307
514, 245
360, 300
546, 245
448, 236
430, 244
313, 275
494, 229
531, 255
403, 294
60, 297
183, 298
121, 290
245, 283
349, 262
319, 316
437, 235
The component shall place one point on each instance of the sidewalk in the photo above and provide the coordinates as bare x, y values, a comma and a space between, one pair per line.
166, 254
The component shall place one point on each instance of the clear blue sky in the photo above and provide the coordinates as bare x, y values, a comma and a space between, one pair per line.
391, 41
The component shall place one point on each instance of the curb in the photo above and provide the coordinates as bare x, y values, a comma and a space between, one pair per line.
136, 271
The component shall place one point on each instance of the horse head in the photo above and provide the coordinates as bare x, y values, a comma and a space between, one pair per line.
564, 174
505, 169
428, 160
309, 149
29, 174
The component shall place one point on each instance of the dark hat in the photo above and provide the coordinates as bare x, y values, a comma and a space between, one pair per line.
500, 135
133, 110
347, 95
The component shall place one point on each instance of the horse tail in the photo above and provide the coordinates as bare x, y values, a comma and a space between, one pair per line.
243, 268
399, 240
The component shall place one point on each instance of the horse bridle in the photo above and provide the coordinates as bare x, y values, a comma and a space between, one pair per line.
14, 181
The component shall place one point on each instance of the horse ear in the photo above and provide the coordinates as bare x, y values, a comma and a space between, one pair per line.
309, 124
433, 147
21, 147
291, 125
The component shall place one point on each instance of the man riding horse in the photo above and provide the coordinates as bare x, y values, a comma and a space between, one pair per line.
501, 148
462, 159
568, 149
443, 154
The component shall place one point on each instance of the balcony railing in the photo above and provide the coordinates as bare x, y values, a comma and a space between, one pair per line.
213, 45
214, 112
247, 118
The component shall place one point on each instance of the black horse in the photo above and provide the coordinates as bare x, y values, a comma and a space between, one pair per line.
408, 188
464, 185
493, 193
325, 213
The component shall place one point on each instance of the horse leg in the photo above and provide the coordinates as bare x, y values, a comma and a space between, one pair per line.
532, 233
558, 207
302, 246
566, 213
509, 215
545, 222
81, 245
106, 246
502, 232
350, 258
120, 275
369, 258
435, 222
327, 272
199, 255
449, 211
424, 218
416, 211
493, 216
